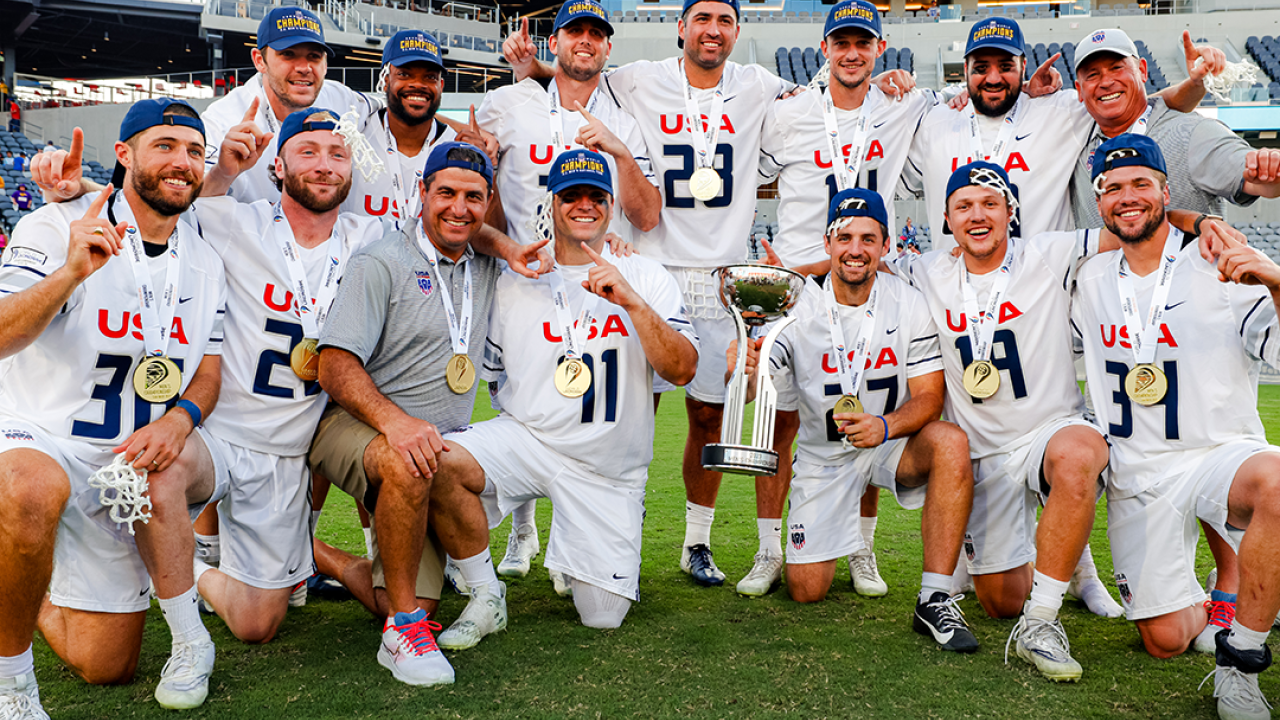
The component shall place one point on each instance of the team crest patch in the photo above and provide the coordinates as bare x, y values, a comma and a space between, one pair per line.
797, 536
424, 282
26, 257
1098, 37
13, 434
1122, 583
969, 552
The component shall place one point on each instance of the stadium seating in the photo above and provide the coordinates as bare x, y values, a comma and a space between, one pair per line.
16, 143
799, 65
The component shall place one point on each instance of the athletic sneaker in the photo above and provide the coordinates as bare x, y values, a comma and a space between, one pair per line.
1044, 643
522, 547
865, 574
485, 613
298, 598
1235, 680
20, 698
184, 681
1221, 613
696, 560
942, 619
765, 575
560, 583
324, 587
410, 652
453, 576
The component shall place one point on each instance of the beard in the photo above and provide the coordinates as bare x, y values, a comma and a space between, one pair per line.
396, 107
295, 188
148, 187
1143, 233
996, 109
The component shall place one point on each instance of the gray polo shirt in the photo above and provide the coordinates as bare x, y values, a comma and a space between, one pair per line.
389, 313
1204, 158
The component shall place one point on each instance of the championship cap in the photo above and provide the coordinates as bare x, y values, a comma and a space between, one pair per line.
987, 175
858, 14
285, 27
300, 121
580, 167
1124, 151
997, 33
459, 155
409, 46
856, 202
146, 114
1110, 40
578, 9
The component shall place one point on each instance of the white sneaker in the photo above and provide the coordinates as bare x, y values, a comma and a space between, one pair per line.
766, 573
184, 681
522, 546
20, 699
560, 582
866, 574
485, 613
453, 576
1044, 643
1239, 697
410, 652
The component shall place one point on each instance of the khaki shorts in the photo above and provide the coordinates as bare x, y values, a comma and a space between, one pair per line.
337, 454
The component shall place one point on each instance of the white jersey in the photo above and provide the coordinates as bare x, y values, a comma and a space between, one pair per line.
1212, 338
795, 149
227, 112
76, 380
1050, 131
264, 406
1031, 346
377, 198
609, 430
904, 346
520, 117
692, 233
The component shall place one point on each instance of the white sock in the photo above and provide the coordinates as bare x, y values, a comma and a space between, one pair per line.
201, 568
20, 664
697, 524
1046, 594
868, 527
477, 570
931, 583
770, 532
183, 616
368, 543
1242, 638
1085, 568
315, 520
526, 514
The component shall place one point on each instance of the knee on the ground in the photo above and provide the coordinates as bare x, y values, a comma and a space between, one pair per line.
1163, 640
597, 607
106, 668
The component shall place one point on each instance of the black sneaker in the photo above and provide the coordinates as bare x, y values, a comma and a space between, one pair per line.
324, 587
696, 560
942, 619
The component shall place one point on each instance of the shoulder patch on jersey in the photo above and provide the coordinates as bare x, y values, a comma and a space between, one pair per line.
424, 282
26, 257
16, 434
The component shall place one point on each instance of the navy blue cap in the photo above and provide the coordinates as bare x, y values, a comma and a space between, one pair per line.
285, 27
580, 167
300, 121
443, 156
1124, 151
857, 202
731, 3
998, 33
858, 14
990, 176
409, 46
150, 113
578, 9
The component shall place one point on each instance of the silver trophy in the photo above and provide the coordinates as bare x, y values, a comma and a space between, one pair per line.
754, 295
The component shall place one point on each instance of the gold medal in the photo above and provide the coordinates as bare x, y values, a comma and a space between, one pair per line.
305, 359
981, 379
573, 378
460, 374
848, 404
1146, 384
157, 379
705, 183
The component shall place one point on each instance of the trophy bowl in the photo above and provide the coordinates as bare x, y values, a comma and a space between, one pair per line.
759, 292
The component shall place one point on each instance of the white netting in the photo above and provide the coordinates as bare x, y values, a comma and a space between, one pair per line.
382, 79
123, 489
363, 156
540, 222
701, 293
992, 180
822, 78
847, 203
1243, 74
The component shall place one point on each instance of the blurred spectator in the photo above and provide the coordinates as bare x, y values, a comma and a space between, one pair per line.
933, 10
1, 184
22, 200
8, 158
20, 162
15, 117
4, 239
908, 232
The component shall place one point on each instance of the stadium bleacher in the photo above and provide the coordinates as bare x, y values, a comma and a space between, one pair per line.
16, 143
800, 65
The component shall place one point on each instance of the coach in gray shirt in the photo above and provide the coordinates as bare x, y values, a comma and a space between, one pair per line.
1207, 162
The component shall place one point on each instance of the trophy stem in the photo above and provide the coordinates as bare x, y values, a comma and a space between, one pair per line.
766, 393
736, 394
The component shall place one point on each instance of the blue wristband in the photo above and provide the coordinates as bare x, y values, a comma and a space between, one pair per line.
192, 410
886, 429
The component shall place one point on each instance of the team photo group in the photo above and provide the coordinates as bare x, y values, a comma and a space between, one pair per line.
194, 355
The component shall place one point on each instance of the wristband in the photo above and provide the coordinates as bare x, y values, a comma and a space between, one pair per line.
1204, 216
194, 411
886, 429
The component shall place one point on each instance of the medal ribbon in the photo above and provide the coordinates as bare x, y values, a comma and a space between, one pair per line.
853, 165
312, 310
559, 139
982, 324
573, 334
1007, 128
155, 327
851, 376
403, 196
459, 332
693, 119
1143, 339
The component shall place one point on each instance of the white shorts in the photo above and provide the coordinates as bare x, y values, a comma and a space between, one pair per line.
1007, 489
265, 518
826, 502
715, 328
1154, 533
96, 566
596, 522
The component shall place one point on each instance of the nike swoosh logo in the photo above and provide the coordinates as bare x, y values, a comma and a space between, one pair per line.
727, 98
890, 332
293, 571
616, 576
1020, 138
182, 300
943, 638
879, 124
1170, 307
145, 590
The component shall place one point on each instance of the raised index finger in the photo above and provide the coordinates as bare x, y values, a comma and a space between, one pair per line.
1048, 63
252, 112
95, 207
1188, 47
524, 27
582, 111
77, 148
595, 256
474, 127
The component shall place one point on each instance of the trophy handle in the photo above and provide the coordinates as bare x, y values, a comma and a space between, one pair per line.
766, 394
735, 400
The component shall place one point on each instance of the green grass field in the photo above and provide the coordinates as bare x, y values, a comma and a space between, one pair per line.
683, 651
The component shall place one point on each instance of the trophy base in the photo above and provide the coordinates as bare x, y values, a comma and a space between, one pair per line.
739, 459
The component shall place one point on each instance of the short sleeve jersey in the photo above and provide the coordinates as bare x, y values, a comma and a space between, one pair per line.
76, 380
1031, 346
376, 197
609, 430
264, 405
520, 117
1212, 339
693, 233
904, 346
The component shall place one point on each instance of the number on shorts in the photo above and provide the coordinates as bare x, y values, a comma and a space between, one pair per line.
1119, 397
1010, 363
111, 394
268, 359
670, 177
